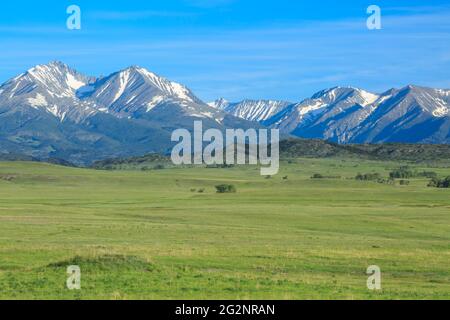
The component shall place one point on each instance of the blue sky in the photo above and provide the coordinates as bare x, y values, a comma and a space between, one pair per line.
237, 49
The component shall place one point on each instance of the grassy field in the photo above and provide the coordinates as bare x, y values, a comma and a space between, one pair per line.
149, 235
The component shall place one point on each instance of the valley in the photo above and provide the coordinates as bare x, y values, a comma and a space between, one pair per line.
167, 234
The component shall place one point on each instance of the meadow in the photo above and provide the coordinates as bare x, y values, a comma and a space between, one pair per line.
167, 234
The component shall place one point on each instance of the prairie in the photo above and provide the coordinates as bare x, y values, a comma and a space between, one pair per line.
167, 234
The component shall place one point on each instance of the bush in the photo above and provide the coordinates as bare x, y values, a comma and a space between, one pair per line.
219, 166
428, 174
389, 181
402, 173
440, 183
368, 177
376, 177
319, 176
404, 182
433, 183
226, 188
7, 177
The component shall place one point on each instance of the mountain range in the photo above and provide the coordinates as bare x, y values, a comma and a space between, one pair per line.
55, 112
350, 115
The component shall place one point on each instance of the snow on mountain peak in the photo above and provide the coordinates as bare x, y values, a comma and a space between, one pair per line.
124, 78
252, 110
219, 104
38, 101
368, 97
56, 78
73, 82
168, 87
342, 114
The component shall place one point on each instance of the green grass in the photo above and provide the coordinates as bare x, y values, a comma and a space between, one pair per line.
147, 235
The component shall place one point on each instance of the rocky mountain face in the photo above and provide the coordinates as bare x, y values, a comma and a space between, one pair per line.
53, 111
252, 110
350, 115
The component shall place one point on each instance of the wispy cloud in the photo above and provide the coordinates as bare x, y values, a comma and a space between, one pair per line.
285, 60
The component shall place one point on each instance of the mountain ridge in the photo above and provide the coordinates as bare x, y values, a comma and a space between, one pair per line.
53, 111
345, 115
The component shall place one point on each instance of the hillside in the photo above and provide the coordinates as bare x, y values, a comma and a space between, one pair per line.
54, 111
387, 151
348, 115
305, 148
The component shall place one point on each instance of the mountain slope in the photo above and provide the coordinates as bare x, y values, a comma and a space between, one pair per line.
135, 90
49, 88
252, 110
53, 111
410, 114
351, 115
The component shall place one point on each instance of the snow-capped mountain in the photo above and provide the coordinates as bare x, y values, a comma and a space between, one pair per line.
51, 88
219, 104
69, 95
352, 115
323, 108
252, 110
410, 114
135, 90
54, 111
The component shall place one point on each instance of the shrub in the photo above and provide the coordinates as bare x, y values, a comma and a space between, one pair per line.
226, 188
402, 173
376, 177
427, 174
404, 182
387, 181
201, 190
7, 177
433, 182
319, 176
220, 166
368, 177
440, 183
